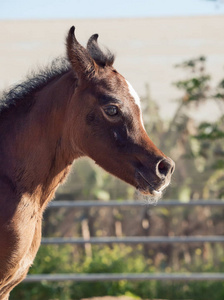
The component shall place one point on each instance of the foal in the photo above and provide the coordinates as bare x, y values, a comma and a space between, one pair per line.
85, 108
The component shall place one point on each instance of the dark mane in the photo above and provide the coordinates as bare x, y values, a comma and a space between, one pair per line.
24, 91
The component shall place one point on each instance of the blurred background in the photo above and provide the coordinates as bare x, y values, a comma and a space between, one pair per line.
172, 52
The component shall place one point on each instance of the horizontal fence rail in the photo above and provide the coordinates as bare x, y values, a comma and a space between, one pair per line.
136, 240
131, 240
114, 203
123, 276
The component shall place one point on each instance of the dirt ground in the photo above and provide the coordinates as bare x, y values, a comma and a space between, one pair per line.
109, 298
114, 298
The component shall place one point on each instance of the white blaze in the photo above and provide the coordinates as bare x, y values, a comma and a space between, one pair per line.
134, 94
136, 98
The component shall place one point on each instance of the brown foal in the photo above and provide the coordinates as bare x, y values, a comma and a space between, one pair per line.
82, 108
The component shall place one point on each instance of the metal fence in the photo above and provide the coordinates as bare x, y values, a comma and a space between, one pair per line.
131, 240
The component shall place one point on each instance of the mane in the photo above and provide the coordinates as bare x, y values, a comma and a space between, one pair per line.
24, 92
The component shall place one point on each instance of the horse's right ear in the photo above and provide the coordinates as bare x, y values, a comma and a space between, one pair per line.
81, 61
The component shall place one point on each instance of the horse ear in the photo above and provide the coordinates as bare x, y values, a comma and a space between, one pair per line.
101, 58
79, 57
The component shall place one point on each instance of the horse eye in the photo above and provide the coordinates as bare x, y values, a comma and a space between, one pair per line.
111, 110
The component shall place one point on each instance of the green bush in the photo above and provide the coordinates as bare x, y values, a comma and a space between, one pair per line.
117, 259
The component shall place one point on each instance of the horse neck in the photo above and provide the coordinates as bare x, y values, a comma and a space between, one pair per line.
39, 145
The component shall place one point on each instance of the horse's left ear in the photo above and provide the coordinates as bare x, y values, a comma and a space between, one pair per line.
101, 58
81, 61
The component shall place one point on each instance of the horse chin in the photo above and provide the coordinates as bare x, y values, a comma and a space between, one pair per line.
150, 192
149, 196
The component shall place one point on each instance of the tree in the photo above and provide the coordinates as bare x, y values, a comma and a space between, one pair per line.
207, 144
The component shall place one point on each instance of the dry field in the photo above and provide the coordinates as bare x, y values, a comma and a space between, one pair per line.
146, 49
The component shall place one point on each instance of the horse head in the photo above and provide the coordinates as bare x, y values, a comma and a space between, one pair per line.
109, 125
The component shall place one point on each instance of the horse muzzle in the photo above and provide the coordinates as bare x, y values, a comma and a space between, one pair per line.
153, 182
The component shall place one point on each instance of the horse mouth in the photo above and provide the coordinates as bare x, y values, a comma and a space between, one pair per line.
146, 188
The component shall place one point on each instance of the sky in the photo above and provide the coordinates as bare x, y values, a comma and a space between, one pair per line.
80, 9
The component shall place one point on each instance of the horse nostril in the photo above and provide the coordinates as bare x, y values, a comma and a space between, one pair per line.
172, 169
165, 167
172, 166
